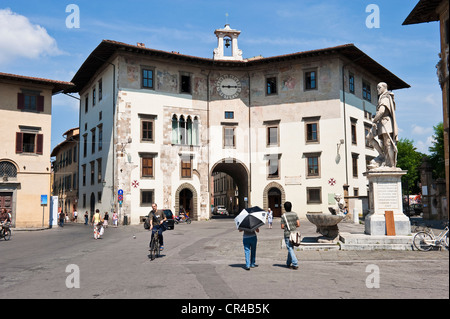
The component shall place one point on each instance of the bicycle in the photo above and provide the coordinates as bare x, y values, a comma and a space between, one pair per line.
5, 232
426, 240
154, 246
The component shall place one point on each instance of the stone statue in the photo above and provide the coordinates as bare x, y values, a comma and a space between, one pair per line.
340, 210
385, 128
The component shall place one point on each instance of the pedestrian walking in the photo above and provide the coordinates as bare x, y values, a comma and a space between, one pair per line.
269, 218
289, 223
115, 219
105, 220
250, 240
86, 218
61, 218
75, 216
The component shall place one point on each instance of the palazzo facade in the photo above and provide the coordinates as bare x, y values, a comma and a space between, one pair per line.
157, 126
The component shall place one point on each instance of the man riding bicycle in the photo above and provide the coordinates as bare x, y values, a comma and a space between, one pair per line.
157, 218
4, 217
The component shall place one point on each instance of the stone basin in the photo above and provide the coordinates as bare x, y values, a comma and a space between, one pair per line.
324, 220
326, 225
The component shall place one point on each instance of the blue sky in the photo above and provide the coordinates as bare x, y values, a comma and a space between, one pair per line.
35, 41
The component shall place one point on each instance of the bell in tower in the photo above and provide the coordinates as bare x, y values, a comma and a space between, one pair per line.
227, 37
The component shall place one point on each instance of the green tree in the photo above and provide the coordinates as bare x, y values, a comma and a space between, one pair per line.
437, 152
409, 159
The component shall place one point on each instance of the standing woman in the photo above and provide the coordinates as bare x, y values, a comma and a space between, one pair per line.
250, 241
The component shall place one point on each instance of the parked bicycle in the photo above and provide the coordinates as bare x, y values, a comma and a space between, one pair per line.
5, 231
155, 246
426, 240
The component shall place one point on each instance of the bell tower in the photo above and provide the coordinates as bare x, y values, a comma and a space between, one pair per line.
227, 37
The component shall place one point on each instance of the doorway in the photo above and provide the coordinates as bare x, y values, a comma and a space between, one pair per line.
186, 201
274, 198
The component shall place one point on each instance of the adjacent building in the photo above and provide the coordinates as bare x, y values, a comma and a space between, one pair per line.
65, 172
429, 11
25, 130
158, 126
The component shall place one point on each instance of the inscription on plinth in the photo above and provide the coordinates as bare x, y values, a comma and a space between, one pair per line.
388, 197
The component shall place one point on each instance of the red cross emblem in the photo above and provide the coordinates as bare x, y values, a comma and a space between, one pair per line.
135, 184
332, 181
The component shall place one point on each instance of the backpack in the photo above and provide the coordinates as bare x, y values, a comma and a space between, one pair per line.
147, 223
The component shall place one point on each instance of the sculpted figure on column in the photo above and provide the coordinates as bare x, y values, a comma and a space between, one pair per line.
384, 126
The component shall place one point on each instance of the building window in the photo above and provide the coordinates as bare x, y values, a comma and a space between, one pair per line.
147, 130
367, 130
271, 86
367, 95
30, 100
185, 132
85, 145
273, 166
314, 195
74, 181
312, 132
99, 197
185, 84
8, 169
147, 166
186, 166
30, 143
147, 197
351, 83
86, 104
99, 171
100, 90
100, 137
228, 137
355, 164
84, 200
229, 115
272, 136
147, 78
312, 165
93, 97
311, 80
93, 141
353, 132
83, 167
92, 173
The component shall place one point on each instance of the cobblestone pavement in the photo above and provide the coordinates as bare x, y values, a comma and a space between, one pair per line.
205, 260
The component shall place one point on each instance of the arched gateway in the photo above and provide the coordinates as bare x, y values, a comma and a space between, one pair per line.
241, 178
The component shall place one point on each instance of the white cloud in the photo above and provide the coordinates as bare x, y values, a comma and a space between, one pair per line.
423, 146
419, 130
19, 38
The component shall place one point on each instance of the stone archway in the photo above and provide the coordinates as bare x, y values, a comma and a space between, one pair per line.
270, 193
183, 190
240, 175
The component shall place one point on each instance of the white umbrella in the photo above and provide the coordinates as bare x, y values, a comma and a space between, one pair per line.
250, 219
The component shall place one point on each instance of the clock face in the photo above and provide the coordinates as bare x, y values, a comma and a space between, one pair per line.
229, 86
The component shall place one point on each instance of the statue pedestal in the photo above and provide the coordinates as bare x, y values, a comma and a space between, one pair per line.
385, 194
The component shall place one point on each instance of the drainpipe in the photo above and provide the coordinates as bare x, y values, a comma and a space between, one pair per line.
249, 138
